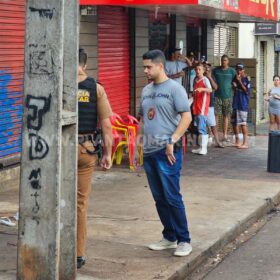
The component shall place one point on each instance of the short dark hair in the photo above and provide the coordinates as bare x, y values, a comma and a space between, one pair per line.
173, 50
156, 56
224, 56
82, 57
200, 64
276, 76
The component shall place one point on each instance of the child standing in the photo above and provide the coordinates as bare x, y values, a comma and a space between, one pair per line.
202, 90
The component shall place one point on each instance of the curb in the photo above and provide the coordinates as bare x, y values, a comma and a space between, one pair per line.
228, 237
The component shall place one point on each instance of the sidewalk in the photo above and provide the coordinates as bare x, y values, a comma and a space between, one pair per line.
224, 192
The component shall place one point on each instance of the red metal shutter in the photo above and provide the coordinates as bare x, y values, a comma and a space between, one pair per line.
12, 31
113, 56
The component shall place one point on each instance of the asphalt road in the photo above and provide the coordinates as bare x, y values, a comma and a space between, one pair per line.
257, 259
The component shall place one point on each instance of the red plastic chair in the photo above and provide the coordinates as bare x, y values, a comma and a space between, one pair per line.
119, 138
129, 129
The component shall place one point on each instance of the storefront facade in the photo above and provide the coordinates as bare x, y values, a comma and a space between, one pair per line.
207, 28
115, 35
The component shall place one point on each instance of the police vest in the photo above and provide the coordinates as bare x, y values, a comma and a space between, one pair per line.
87, 106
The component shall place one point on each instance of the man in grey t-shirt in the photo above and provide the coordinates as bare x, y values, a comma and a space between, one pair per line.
160, 107
176, 64
166, 115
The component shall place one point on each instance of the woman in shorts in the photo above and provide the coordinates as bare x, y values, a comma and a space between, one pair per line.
274, 104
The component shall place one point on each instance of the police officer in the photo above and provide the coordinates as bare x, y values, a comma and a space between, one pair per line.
93, 106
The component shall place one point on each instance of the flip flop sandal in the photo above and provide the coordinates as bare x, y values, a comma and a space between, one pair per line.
220, 146
242, 147
7, 222
235, 145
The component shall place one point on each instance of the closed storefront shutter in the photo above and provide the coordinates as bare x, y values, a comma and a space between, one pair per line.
12, 30
113, 56
225, 41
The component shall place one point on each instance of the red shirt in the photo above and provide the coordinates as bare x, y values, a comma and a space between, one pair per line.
201, 100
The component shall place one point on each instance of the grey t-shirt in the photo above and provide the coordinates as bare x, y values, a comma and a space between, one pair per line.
160, 107
174, 67
273, 102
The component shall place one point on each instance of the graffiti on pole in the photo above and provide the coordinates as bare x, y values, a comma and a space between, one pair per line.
43, 13
40, 106
34, 179
40, 67
41, 62
38, 146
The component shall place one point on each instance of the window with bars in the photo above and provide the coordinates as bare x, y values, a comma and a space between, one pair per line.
225, 41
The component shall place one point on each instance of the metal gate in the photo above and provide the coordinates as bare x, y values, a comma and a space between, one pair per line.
225, 42
113, 56
12, 20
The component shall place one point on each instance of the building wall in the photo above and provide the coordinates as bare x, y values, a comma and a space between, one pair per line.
88, 40
251, 48
210, 42
181, 32
246, 47
269, 70
141, 46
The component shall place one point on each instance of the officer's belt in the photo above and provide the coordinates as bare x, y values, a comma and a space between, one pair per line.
86, 137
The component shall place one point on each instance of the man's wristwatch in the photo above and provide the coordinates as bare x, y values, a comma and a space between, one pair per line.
171, 141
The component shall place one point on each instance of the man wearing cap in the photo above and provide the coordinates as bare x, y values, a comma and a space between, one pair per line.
175, 65
241, 99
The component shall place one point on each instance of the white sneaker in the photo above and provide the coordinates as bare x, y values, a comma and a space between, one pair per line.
202, 152
197, 151
163, 245
183, 249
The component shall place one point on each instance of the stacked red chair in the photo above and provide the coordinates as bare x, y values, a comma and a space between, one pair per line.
125, 132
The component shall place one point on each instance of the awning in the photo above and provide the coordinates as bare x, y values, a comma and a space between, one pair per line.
225, 10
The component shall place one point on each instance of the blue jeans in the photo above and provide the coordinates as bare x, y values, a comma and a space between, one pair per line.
164, 181
200, 122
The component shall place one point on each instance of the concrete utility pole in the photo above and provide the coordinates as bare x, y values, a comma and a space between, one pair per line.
47, 226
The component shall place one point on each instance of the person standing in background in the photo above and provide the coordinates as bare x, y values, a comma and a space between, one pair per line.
201, 100
211, 121
224, 76
191, 73
274, 104
176, 64
241, 100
